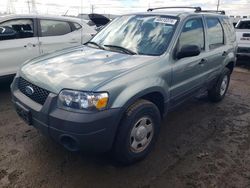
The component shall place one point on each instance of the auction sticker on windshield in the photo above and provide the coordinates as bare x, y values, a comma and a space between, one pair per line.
169, 21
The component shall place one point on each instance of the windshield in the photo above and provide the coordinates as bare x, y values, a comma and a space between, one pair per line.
243, 25
140, 34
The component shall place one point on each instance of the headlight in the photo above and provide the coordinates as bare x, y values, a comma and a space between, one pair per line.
82, 100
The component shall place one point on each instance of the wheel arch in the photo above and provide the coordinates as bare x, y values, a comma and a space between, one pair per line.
230, 66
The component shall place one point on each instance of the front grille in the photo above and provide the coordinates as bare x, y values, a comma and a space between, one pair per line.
39, 95
243, 50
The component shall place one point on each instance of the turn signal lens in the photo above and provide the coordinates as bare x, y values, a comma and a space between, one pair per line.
102, 103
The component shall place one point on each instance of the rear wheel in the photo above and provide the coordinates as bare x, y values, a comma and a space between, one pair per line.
138, 132
219, 90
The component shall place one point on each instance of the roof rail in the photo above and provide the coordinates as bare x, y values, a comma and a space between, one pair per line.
215, 11
197, 9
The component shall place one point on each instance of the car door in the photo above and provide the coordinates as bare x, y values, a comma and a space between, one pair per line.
18, 43
187, 76
217, 49
56, 35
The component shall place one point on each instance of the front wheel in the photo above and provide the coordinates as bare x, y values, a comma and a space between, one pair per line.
138, 132
219, 90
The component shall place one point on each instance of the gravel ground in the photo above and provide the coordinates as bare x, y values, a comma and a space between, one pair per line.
201, 144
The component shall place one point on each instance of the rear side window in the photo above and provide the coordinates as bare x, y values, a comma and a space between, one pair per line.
243, 25
192, 33
16, 29
54, 28
215, 33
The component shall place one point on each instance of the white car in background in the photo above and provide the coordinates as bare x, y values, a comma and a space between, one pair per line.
243, 37
24, 37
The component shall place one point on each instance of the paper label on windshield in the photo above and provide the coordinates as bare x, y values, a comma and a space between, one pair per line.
169, 21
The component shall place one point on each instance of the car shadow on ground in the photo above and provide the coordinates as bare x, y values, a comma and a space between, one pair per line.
244, 62
5, 84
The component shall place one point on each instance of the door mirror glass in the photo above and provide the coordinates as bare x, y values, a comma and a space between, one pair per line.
188, 51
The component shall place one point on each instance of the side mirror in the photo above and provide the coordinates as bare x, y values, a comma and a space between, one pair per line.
188, 51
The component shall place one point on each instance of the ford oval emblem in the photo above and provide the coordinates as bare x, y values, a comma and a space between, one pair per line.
29, 90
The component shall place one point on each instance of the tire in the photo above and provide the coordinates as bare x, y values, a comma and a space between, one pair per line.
219, 90
137, 119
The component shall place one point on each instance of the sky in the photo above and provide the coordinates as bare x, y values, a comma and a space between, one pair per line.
74, 7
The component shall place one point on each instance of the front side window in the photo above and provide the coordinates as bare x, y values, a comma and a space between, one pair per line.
192, 34
141, 34
16, 29
54, 28
215, 33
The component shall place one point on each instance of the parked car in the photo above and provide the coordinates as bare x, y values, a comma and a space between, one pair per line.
97, 21
24, 37
112, 93
243, 37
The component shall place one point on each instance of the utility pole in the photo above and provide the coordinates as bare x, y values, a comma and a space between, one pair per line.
33, 3
92, 9
32, 6
218, 5
28, 2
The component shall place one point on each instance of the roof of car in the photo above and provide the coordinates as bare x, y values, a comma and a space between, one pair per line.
179, 13
245, 19
167, 12
18, 16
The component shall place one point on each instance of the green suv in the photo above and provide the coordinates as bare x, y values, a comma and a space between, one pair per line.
111, 93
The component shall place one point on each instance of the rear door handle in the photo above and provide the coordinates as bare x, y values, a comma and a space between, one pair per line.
73, 41
202, 62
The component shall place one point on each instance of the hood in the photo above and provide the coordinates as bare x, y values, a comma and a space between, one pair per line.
81, 68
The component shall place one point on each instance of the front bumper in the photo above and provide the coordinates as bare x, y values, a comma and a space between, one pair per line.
75, 131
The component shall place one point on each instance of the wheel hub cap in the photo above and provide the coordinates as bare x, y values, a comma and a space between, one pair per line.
224, 84
141, 134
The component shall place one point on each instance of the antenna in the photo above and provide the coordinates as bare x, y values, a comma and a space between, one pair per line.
81, 21
66, 12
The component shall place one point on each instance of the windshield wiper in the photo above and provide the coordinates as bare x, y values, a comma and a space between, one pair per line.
128, 51
96, 44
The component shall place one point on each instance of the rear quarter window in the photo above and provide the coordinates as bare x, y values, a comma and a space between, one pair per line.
229, 30
76, 26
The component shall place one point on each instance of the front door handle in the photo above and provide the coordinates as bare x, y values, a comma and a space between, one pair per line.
29, 45
202, 62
